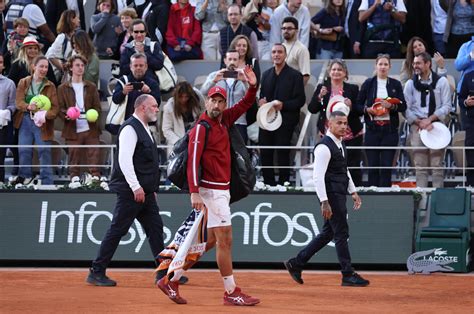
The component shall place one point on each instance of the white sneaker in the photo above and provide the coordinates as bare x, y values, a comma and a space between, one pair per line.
87, 178
75, 179
12, 179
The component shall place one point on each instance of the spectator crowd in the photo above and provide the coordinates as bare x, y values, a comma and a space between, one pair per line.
47, 50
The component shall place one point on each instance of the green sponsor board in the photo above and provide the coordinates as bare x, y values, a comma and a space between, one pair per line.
267, 227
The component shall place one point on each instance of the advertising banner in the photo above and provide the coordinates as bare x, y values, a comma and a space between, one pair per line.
267, 227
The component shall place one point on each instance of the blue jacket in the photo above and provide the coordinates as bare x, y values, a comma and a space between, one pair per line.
154, 57
463, 61
118, 97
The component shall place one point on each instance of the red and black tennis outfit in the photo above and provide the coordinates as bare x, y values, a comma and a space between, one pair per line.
214, 160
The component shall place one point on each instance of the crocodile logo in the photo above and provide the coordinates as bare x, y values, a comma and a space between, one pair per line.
427, 266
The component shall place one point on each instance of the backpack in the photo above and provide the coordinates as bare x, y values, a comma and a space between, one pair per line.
242, 176
242, 179
177, 166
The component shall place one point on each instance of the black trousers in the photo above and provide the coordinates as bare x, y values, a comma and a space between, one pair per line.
3, 141
334, 228
380, 136
372, 50
469, 141
126, 210
280, 137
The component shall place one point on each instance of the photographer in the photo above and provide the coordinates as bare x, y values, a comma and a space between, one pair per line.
230, 80
137, 83
383, 19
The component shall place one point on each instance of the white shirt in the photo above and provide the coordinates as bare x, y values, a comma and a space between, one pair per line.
438, 17
127, 143
322, 156
382, 88
303, 17
297, 57
72, 5
81, 124
34, 15
56, 50
364, 5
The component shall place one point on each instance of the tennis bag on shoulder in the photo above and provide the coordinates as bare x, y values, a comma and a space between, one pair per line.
242, 180
176, 168
242, 176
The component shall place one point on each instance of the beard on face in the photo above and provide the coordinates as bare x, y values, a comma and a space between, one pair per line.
214, 114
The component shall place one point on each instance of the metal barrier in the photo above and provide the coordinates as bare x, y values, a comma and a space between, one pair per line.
109, 162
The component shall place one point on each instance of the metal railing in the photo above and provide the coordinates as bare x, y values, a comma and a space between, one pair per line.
300, 154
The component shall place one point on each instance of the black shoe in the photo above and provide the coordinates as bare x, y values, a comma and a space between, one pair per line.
183, 280
99, 279
354, 280
295, 272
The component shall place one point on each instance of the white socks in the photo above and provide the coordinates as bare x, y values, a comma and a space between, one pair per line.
229, 284
177, 274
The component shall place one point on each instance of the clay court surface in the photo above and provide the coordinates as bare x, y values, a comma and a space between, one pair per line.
65, 291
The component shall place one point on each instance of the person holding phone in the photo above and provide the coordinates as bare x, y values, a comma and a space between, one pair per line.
137, 83
466, 99
230, 78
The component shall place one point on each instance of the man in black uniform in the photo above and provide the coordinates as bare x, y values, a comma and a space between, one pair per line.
135, 179
333, 181
285, 86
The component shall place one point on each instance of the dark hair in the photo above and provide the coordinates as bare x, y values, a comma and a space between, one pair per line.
233, 45
35, 62
408, 64
71, 60
21, 21
337, 113
65, 22
333, 10
290, 19
281, 45
234, 5
138, 22
425, 56
112, 4
193, 102
231, 51
83, 44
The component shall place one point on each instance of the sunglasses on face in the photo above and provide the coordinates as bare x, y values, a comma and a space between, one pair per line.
139, 32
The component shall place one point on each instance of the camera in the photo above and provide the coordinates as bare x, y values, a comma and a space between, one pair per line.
230, 74
137, 85
182, 43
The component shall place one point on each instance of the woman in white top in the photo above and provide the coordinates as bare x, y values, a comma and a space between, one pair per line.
180, 112
377, 101
61, 49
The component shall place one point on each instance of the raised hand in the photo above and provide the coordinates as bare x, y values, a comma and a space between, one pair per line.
250, 76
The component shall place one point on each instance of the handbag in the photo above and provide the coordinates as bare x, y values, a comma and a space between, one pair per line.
116, 115
328, 37
167, 76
